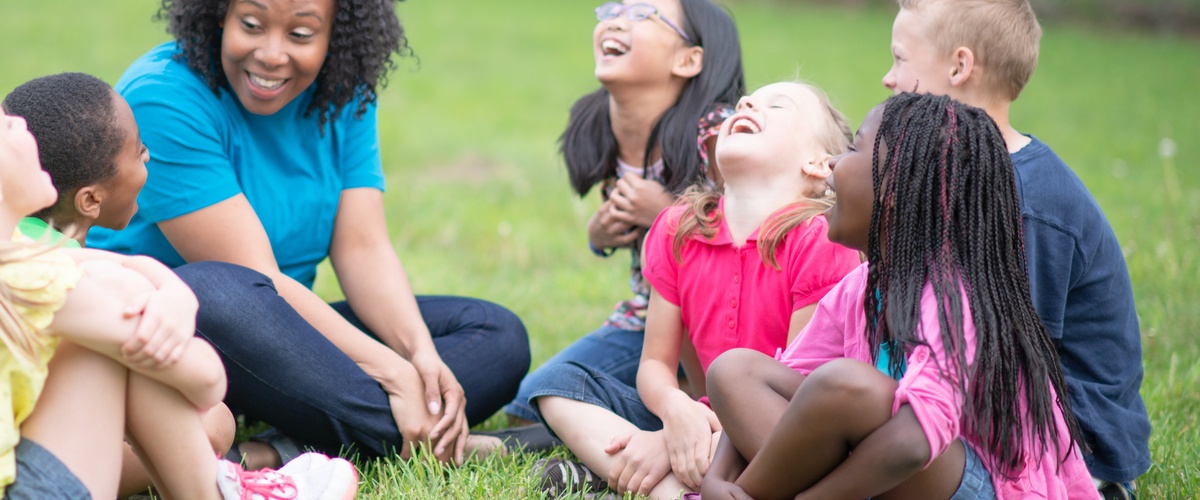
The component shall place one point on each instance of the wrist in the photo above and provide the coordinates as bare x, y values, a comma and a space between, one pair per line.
389, 370
678, 404
423, 350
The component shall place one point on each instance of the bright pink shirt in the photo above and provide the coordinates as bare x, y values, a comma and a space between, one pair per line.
727, 296
838, 330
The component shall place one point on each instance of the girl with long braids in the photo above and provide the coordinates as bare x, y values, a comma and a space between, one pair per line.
670, 72
926, 373
743, 267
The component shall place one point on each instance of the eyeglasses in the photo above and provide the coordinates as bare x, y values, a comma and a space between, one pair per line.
635, 12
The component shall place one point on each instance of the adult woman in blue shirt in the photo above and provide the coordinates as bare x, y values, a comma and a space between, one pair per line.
260, 119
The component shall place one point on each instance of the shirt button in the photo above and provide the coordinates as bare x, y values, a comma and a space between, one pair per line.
733, 303
737, 278
731, 323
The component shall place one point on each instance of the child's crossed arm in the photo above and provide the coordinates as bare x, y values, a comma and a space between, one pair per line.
95, 316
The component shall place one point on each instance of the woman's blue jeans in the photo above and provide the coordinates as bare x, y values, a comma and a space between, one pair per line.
283, 372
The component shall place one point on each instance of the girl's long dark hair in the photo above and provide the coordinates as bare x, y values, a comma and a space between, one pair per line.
588, 144
946, 214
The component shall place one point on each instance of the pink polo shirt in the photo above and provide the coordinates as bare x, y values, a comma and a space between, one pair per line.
838, 330
727, 296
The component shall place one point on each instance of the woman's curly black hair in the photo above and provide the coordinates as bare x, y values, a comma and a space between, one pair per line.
365, 35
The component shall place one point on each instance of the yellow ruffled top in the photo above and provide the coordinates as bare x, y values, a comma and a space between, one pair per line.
35, 287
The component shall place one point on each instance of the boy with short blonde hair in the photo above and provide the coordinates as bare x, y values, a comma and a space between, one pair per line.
983, 52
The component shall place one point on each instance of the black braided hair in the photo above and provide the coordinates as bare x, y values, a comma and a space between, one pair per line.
365, 35
946, 214
588, 144
73, 118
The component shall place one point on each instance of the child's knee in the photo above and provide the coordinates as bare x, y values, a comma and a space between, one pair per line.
849, 381
732, 367
220, 427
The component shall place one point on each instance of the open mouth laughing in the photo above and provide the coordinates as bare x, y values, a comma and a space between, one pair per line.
744, 125
613, 48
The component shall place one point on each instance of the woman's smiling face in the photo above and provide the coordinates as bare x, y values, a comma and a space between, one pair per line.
272, 50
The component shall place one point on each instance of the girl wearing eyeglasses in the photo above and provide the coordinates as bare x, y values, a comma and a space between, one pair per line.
669, 71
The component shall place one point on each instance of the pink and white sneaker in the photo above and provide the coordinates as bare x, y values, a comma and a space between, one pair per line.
311, 476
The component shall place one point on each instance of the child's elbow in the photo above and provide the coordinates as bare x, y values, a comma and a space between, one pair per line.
911, 451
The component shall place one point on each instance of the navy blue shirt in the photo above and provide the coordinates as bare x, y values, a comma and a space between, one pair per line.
1081, 290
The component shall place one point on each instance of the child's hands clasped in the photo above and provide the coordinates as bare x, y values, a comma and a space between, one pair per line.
631, 208
639, 201
689, 432
608, 228
642, 462
167, 322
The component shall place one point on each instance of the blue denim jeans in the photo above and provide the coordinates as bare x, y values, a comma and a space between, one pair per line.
976, 481
283, 372
610, 350
575, 381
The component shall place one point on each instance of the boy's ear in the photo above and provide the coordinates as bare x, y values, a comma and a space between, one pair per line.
818, 169
88, 200
964, 66
689, 62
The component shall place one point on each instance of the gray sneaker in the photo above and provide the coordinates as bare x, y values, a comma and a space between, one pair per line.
560, 477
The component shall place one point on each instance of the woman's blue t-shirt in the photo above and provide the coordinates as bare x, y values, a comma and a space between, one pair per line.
206, 148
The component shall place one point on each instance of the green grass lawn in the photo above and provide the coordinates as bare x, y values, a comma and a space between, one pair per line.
479, 204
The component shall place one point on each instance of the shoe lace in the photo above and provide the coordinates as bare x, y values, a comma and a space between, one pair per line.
267, 485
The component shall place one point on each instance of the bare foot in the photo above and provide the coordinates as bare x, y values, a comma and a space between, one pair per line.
481, 447
259, 455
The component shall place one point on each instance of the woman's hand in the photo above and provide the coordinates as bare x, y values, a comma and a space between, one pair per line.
610, 228
642, 462
406, 396
444, 397
689, 428
638, 200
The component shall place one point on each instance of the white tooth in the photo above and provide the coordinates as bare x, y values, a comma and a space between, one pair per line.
613, 46
745, 122
264, 83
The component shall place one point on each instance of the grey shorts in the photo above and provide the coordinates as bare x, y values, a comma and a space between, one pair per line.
41, 476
